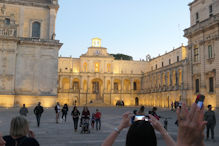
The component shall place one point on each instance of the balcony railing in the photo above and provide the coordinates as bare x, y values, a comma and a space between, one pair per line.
8, 31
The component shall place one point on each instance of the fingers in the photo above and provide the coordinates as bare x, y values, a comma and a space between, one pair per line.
126, 114
2, 142
192, 111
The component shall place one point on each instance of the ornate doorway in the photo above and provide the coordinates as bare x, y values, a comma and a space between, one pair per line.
96, 87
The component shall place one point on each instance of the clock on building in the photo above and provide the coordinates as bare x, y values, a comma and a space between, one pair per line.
97, 52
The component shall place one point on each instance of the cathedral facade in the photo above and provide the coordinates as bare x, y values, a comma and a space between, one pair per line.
28, 52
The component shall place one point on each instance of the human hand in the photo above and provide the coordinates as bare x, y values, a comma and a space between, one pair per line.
155, 123
125, 121
31, 134
191, 126
2, 141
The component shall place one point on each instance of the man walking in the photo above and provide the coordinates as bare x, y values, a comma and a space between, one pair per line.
23, 111
38, 110
211, 119
97, 118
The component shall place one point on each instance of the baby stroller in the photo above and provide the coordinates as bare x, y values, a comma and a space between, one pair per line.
85, 125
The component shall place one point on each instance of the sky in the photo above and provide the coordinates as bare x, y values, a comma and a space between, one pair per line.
132, 27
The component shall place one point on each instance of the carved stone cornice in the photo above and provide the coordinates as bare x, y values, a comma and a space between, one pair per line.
37, 3
201, 26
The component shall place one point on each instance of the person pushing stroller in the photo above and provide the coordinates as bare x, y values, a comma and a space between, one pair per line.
85, 118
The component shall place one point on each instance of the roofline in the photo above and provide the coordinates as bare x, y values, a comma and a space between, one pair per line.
192, 2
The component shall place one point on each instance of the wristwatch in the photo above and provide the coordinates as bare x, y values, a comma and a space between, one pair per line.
117, 130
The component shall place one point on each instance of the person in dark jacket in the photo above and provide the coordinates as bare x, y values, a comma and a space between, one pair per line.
20, 135
23, 111
38, 110
75, 116
64, 111
209, 116
153, 113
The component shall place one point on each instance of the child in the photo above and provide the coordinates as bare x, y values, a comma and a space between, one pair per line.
93, 120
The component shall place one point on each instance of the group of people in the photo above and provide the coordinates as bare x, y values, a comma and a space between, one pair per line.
96, 117
191, 125
38, 110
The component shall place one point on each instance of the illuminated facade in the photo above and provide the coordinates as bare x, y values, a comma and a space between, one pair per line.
28, 52
29, 63
179, 75
203, 50
96, 76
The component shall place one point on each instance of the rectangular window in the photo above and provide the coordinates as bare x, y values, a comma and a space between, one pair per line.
75, 86
210, 10
177, 58
210, 52
211, 84
197, 17
169, 61
197, 85
162, 64
116, 87
135, 85
156, 66
195, 54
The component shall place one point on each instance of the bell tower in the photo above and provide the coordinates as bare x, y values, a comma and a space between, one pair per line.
96, 42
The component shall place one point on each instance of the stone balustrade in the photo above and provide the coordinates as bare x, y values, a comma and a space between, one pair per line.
8, 31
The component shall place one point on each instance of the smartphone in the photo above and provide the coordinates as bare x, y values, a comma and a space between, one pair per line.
140, 117
200, 100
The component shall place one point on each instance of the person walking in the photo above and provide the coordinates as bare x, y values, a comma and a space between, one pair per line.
209, 116
141, 111
153, 113
38, 110
57, 110
64, 111
75, 116
92, 120
23, 111
98, 119
171, 106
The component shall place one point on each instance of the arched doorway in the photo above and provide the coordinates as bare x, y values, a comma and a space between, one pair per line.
97, 88
136, 101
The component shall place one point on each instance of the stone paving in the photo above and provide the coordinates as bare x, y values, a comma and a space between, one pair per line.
62, 134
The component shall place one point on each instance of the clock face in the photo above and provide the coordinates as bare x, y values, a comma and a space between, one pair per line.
97, 52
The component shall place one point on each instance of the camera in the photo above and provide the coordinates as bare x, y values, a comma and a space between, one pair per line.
140, 117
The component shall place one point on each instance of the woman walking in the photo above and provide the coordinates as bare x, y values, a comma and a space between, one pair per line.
75, 116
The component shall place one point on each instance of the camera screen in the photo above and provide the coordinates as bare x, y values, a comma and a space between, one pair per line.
139, 117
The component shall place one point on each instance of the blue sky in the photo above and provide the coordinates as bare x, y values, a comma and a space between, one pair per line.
132, 27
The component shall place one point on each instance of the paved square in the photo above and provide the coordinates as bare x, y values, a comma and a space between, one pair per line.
62, 134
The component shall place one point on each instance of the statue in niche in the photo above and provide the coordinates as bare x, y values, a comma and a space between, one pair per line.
3, 9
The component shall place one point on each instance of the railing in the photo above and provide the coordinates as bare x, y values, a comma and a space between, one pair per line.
4, 31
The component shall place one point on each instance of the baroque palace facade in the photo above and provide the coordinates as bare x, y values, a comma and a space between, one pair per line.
31, 70
179, 75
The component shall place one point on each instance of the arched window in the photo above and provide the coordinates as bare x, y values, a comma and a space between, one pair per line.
97, 67
174, 78
108, 67
36, 29
85, 67
7, 21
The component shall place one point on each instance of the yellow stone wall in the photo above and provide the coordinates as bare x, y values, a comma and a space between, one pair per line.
24, 15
